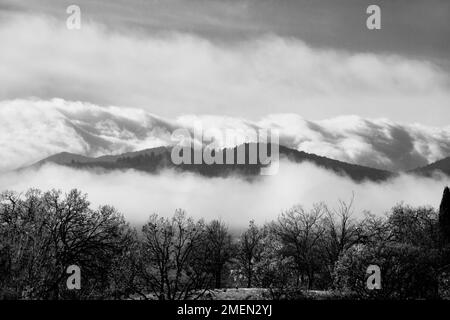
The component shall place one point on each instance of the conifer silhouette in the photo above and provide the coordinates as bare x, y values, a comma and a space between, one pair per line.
444, 217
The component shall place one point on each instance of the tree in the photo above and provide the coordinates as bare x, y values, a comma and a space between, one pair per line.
341, 232
444, 217
125, 279
43, 233
301, 232
407, 271
250, 248
275, 270
414, 226
219, 247
404, 246
170, 251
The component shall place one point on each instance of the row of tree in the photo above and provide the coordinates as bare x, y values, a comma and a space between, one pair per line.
42, 233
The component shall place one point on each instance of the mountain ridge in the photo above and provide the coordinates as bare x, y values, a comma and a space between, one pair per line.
442, 165
156, 159
161, 159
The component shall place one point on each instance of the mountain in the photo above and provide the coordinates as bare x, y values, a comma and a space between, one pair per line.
438, 166
66, 158
156, 159
354, 171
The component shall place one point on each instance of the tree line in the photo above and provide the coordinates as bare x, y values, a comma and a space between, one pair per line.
321, 248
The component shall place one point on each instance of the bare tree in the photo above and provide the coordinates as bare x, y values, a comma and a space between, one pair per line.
301, 233
341, 231
170, 249
250, 248
43, 233
219, 249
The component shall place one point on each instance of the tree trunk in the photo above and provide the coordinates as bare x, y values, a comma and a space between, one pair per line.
219, 278
249, 277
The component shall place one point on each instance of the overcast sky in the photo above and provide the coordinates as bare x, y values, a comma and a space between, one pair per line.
138, 69
242, 58
411, 27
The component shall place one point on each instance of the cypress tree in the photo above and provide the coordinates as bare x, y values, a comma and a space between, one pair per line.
444, 217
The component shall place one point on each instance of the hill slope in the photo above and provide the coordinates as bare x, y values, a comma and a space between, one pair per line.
438, 166
155, 159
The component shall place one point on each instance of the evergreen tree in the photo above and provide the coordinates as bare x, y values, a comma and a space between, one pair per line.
444, 217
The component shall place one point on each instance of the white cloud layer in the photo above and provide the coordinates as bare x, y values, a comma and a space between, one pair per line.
172, 74
236, 201
31, 130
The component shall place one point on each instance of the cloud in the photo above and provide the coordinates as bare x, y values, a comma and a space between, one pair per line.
31, 130
378, 143
171, 74
370, 106
236, 201
267, 81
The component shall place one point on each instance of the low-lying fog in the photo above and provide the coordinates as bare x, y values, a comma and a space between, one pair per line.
234, 200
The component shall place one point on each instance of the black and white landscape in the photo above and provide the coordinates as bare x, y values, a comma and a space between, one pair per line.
87, 179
